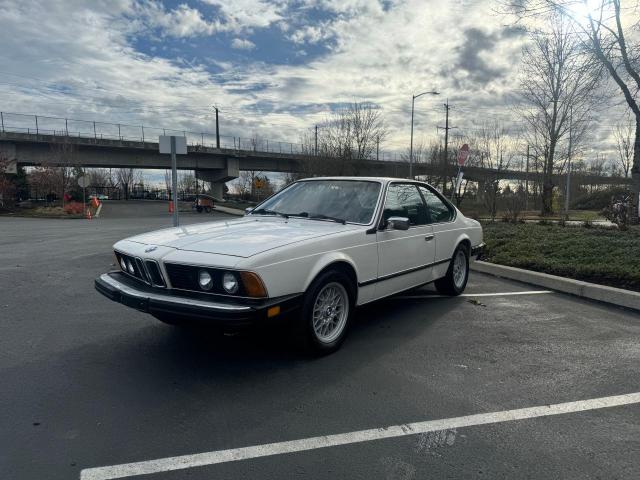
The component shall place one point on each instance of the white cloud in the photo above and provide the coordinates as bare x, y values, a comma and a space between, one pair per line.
184, 21
311, 34
242, 15
242, 44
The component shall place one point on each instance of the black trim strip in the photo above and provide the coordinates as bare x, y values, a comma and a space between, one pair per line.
404, 272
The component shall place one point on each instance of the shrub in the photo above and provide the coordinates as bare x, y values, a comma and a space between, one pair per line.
74, 208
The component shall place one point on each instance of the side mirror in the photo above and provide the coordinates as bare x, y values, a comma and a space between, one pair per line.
398, 223
248, 210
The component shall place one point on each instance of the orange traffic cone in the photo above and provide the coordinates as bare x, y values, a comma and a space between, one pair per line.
170, 206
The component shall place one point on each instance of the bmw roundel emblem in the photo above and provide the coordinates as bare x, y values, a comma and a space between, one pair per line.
150, 249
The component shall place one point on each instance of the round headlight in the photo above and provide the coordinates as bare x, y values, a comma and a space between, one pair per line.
123, 264
132, 270
205, 280
230, 283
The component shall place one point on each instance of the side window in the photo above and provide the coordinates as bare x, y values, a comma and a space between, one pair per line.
403, 200
438, 210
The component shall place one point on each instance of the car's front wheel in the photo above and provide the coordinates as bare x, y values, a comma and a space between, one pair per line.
455, 281
326, 312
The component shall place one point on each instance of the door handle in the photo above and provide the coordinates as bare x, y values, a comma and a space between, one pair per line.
430, 237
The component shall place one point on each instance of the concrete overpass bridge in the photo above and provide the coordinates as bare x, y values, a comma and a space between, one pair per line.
112, 146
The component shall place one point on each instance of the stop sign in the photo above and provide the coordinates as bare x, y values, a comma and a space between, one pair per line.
463, 154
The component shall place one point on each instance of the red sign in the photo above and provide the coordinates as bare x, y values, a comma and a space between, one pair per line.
463, 154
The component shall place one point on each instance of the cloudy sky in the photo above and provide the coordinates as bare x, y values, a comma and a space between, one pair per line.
274, 68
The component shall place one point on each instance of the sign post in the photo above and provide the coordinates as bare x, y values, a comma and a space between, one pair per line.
463, 154
83, 182
174, 146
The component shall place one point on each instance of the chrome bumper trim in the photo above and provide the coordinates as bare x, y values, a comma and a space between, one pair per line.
169, 299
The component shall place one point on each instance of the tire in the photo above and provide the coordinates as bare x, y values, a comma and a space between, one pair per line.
455, 281
199, 209
327, 309
207, 209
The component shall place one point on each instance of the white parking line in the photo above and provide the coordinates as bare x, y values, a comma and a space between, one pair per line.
279, 448
502, 294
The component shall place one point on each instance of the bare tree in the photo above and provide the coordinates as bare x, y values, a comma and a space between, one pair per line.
186, 181
64, 165
98, 177
624, 136
7, 187
609, 35
558, 88
492, 148
126, 178
352, 135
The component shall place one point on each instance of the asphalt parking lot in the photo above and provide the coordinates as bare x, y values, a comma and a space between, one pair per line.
87, 383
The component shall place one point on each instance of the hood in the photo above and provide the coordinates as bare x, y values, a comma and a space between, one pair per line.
243, 237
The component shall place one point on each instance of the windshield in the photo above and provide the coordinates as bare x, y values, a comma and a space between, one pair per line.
340, 200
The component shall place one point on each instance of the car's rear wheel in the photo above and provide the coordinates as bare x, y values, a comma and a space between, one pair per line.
326, 312
455, 281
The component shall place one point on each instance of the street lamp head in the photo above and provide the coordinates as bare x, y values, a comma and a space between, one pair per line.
433, 92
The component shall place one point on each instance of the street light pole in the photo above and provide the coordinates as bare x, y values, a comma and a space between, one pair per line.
413, 102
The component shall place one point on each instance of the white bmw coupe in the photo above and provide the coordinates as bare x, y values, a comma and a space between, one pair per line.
311, 253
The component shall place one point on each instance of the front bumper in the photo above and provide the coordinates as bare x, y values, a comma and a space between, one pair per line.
477, 250
197, 307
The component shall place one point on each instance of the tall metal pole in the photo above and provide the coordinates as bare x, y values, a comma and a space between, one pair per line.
174, 181
316, 149
217, 130
446, 146
413, 102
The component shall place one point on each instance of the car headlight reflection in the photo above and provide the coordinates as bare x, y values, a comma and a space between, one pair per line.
204, 280
230, 283
132, 270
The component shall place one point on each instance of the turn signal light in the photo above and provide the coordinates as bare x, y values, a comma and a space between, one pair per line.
253, 285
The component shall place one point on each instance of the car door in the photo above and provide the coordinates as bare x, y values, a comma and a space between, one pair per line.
441, 217
404, 256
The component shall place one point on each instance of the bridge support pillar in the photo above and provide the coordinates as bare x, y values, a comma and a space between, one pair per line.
219, 177
8, 153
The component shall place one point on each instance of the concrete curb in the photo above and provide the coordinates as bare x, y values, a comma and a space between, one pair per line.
591, 291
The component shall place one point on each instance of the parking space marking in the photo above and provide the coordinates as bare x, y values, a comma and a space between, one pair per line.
502, 294
246, 453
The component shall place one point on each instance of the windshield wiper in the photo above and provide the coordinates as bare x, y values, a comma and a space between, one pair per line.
266, 211
321, 216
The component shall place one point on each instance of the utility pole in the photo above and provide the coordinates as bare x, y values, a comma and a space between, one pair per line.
217, 129
445, 157
316, 149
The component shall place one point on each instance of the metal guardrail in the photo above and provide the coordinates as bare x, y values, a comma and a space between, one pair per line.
45, 125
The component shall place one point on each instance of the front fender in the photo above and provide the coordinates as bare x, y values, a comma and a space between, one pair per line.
325, 261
